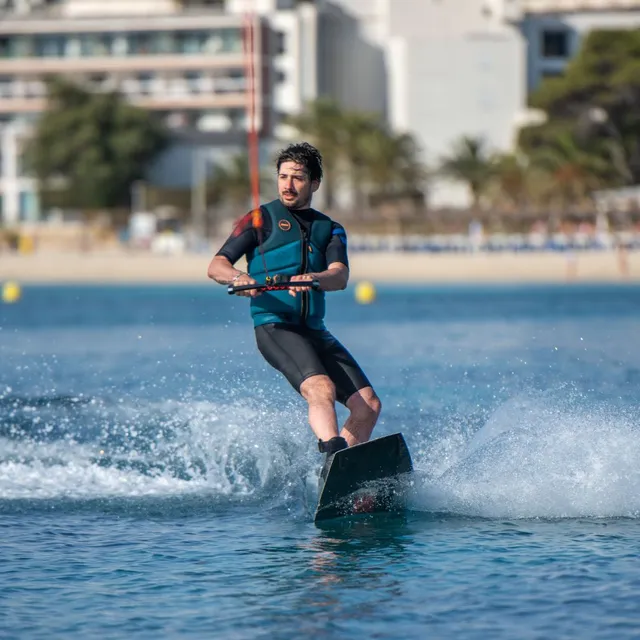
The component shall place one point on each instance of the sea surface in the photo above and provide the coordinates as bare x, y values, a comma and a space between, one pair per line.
158, 479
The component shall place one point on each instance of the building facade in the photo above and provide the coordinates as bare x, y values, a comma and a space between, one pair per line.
439, 70
554, 30
188, 66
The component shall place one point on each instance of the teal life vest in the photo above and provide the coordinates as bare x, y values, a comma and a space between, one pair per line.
289, 251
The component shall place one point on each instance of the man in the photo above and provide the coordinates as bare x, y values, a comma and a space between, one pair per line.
304, 244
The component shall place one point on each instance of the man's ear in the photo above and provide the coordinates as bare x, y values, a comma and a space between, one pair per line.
315, 185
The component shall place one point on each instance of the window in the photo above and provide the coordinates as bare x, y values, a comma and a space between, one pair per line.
215, 42
145, 81
21, 47
95, 45
50, 46
73, 47
6, 86
281, 77
190, 42
281, 42
232, 40
140, 43
555, 43
163, 43
237, 118
120, 46
193, 80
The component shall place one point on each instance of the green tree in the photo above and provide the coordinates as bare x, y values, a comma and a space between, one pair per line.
89, 148
598, 100
511, 181
574, 171
470, 163
392, 166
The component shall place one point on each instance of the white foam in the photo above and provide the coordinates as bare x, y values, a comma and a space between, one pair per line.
228, 450
537, 458
78, 480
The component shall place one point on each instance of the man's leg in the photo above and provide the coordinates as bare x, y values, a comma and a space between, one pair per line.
353, 388
293, 353
320, 394
364, 407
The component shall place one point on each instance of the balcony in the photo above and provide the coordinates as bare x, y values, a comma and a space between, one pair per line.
151, 93
110, 64
561, 6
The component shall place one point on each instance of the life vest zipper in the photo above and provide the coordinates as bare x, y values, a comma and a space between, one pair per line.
304, 301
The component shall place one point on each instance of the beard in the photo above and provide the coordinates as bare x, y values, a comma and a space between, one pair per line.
294, 201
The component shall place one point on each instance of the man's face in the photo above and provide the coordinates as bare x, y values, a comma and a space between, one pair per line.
295, 188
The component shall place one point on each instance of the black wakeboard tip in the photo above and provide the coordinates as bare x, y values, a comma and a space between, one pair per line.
364, 470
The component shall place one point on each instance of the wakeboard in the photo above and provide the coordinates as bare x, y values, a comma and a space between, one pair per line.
366, 478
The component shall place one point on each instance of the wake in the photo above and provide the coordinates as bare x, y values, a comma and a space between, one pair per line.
536, 457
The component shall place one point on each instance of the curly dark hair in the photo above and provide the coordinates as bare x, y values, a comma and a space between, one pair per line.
305, 154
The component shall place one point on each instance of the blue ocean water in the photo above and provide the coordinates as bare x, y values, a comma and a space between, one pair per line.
157, 479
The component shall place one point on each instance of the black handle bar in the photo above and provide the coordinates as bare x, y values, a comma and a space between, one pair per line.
279, 286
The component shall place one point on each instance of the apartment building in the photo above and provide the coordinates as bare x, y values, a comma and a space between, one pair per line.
187, 65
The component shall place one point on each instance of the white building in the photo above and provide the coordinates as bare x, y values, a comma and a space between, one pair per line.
439, 70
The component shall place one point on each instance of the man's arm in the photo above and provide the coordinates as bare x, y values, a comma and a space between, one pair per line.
222, 271
221, 267
334, 278
336, 275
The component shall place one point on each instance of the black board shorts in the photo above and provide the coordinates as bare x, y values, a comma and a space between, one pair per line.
299, 353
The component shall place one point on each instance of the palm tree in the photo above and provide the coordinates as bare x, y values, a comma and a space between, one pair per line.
358, 129
511, 177
322, 122
573, 170
470, 163
392, 165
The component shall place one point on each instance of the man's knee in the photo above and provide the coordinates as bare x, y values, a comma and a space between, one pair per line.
318, 389
365, 405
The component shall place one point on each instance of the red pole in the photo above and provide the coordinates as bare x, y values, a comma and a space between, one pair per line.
252, 132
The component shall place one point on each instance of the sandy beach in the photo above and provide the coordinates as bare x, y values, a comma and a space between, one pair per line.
119, 266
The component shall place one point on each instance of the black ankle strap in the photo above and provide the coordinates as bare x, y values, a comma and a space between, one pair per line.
336, 443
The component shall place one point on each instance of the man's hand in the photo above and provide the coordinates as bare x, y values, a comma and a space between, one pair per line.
304, 278
246, 279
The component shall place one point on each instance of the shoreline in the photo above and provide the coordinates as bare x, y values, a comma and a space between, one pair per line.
125, 267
